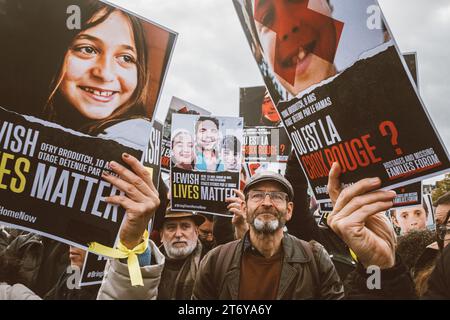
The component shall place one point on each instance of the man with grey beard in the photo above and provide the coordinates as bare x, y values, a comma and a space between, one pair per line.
183, 252
267, 264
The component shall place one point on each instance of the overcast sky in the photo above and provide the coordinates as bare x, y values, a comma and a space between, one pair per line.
212, 58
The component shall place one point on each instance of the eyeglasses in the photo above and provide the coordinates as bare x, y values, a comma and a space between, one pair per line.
277, 197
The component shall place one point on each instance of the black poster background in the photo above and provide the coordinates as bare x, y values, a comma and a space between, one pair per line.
152, 155
93, 269
262, 144
69, 225
384, 93
409, 195
220, 190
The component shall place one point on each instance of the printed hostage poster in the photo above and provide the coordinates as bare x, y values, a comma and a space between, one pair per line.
354, 103
391, 136
152, 154
266, 144
205, 163
297, 44
262, 144
413, 217
176, 106
50, 181
54, 70
257, 108
96, 70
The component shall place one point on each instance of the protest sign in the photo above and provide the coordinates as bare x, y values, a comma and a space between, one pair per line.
359, 107
413, 217
205, 163
37, 73
50, 181
300, 43
262, 144
388, 113
257, 109
66, 84
152, 154
176, 106
266, 144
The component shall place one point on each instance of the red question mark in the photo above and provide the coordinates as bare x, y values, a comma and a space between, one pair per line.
282, 148
393, 130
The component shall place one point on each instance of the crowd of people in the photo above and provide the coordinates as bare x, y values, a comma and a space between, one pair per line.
271, 248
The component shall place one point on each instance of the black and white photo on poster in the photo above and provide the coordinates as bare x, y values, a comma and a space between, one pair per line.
180, 106
205, 163
51, 181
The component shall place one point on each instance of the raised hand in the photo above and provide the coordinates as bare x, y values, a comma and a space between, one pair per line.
239, 219
358, 218
141, 199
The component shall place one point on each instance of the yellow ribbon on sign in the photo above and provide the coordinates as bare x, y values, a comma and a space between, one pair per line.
123, 252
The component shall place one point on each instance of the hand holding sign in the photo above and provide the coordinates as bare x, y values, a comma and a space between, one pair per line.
358, 219
140, 202
239, 219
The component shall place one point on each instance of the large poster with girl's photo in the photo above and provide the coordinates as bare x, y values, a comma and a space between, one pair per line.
87, 69
205, 163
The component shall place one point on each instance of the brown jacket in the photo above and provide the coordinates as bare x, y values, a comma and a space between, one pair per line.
307, 273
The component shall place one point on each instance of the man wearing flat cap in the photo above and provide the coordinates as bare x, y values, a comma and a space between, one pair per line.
183, 252
268, 263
